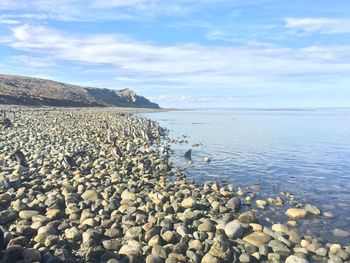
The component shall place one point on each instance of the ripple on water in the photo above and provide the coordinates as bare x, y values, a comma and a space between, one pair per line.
304, 152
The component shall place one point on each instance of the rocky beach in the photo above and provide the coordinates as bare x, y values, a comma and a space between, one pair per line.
97, 185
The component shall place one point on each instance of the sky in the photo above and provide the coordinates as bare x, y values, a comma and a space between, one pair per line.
186, 53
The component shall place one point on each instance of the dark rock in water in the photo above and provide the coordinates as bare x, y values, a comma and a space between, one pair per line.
188, 154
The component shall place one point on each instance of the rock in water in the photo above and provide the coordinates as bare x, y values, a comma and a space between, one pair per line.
206, 159
296, 213
188, 154
312, 209
341, 233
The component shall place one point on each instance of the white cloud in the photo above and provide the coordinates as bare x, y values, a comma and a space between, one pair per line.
141, 64
8, 22
319, 25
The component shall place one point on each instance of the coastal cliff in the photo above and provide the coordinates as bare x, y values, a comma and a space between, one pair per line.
27, 91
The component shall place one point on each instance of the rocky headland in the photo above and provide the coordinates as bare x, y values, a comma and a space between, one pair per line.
27, 91
96, 185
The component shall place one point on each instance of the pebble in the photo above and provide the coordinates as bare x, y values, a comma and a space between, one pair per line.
280, 228
295, 259
189, 202
257, 239
27, 214
208, 258
234, 230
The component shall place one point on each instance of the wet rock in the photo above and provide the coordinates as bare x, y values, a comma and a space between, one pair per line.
261, 203
340, 233
206, 159
280, 228
233, 203
322, 251
296, 213
312, 209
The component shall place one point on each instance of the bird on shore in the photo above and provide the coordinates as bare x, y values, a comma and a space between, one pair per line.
188, 154
19, 157
116, 152
69, 161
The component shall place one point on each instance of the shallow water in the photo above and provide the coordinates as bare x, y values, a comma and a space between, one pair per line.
306, 152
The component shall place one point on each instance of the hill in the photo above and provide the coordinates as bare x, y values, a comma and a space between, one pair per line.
27, 91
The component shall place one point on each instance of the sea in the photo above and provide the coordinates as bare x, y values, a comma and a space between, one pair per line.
305, 152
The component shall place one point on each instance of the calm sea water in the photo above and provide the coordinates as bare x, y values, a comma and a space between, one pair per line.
306, 152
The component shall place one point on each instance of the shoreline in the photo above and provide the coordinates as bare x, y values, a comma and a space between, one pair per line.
110, 205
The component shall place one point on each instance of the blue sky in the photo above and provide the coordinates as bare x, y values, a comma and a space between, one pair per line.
186, 53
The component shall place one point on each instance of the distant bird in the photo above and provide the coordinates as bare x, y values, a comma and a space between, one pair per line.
116, 152
19, 157
188, 154
69, 161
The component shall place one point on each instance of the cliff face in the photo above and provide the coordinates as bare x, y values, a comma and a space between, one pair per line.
28, 91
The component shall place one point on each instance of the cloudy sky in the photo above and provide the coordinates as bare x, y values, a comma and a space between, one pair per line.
186, 53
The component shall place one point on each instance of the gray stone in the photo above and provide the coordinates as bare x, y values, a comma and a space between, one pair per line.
7, 216
312, 209
279, 247
234, 230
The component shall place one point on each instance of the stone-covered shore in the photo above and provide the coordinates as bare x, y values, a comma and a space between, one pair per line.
96, 185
